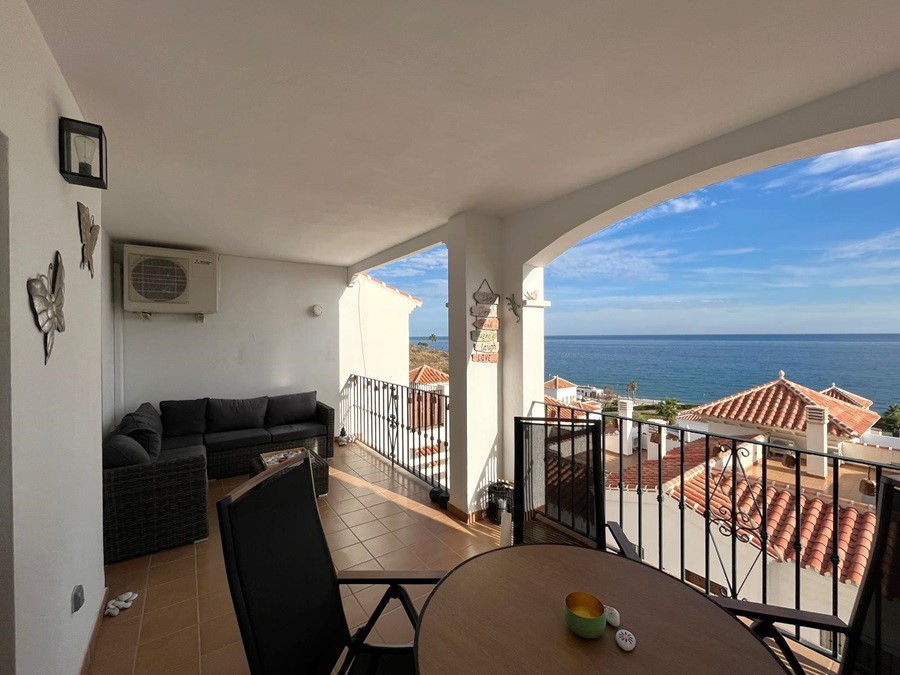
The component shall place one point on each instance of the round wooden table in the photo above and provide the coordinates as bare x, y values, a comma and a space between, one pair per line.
504, 612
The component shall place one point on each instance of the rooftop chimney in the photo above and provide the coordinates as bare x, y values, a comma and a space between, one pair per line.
626, 409
817, 439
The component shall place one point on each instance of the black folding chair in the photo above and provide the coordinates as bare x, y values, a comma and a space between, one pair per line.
284, 586
873, 634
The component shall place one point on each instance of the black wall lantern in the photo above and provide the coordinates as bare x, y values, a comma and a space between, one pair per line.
82, 153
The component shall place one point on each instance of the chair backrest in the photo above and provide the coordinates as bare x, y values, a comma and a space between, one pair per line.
282, 579
873, 644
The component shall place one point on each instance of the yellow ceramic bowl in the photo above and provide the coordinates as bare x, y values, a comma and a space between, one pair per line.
585, 615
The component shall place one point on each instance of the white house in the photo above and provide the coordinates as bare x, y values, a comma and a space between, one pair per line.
561, 389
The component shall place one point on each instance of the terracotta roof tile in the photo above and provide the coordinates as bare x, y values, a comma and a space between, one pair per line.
836, 392
856, 522
782, 403
427, 375
557, 382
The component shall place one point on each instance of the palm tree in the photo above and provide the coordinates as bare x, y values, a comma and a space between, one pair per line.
891, 417
433, 338
632, 388
669, 408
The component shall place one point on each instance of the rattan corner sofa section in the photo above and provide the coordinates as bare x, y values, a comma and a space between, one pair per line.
157, 498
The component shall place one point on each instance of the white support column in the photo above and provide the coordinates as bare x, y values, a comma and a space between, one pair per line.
474, 245
816, 439
523, 353
626, 409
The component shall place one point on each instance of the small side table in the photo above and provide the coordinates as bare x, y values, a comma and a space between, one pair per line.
319, 469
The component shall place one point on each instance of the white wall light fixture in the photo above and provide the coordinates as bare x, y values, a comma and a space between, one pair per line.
317, 310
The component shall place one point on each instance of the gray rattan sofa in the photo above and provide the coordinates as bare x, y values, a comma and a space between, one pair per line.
156, 465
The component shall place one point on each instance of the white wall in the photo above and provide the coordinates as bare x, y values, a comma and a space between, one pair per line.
264, 340
53, 420
107, 331
375, 332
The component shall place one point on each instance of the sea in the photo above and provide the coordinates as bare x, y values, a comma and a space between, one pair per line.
701, 368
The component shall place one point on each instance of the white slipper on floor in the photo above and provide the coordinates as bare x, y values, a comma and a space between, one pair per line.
130, 596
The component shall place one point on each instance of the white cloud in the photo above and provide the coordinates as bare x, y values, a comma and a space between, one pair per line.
883, 243
735, 251
862, 168
685, 204
418, 264
603, 256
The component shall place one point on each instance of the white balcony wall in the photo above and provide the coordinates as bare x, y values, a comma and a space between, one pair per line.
374, 339
264, 340
50, 415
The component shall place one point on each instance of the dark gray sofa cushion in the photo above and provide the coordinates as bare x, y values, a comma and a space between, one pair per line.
145, 426
186, 441
173, 454
120, 450
296, 432
291, 409
227, 414
236, 438
181, 418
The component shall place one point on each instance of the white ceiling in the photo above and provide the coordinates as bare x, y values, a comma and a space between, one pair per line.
327, 131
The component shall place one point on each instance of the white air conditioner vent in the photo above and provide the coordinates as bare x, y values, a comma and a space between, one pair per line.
815, 413
165, 280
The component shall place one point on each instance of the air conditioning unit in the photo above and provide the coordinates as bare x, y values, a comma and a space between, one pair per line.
166, 280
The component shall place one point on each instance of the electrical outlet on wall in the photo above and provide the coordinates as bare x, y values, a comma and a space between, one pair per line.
77, 598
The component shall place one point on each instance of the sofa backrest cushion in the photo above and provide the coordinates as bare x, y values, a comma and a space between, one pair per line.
145, 426
181, 418
227, 414
291, 409
119, 450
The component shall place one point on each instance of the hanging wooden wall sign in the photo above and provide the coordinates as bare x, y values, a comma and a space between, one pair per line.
486, 336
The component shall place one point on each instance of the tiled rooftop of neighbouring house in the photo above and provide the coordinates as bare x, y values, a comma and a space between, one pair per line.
427, 375
374, 518
782, 404
557, 382
835, 391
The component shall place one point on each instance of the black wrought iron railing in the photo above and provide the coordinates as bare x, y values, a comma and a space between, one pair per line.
735, 516
408, 426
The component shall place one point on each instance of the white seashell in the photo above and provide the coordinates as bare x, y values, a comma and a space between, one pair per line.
612, 616
626, 641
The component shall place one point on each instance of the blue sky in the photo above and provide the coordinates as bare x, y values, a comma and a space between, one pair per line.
807, 247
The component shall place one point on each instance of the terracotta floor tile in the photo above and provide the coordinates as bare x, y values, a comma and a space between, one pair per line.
188, 668
171, 555
210, 563
478, 547
123, 586
369, 530
372, 499
350, 556
229, 660
219, 632
402, 559
383, 544
334, 524
356, 615
347, 506
168, 652
367, 566
398, 521
358, 517
208, 582
341, 539
163, 574
168, 620
128, 566
458, 540
117, 637
395, 628
119, 583
369, 598
170, 593
444, 561
121, 663
413, 534
215, 604
429, 549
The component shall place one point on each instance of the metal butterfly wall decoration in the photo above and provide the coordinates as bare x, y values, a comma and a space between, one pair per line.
47, 296
89, 235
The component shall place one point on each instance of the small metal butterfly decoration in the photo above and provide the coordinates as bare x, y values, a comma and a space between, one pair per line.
89, 235
47, 296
